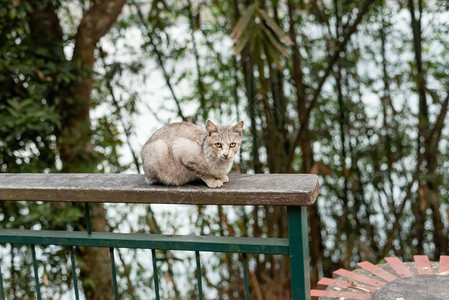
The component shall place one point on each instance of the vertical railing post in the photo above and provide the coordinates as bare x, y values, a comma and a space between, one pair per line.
2, 291
114, 274
299, 252
245, 275
155, 277
75, 279
198, 275
36, 272
87, 216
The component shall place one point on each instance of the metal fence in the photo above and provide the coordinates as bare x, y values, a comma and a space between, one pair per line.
292, 191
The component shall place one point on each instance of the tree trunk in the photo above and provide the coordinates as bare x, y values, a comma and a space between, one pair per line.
76, 151
305, 144
75, 145
423, 122
427, 143
74, 142
250, 85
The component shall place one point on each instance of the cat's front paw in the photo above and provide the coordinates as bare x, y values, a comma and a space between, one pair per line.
213, 183
225, 179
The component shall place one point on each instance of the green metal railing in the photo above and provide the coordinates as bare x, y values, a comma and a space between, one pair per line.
293, 191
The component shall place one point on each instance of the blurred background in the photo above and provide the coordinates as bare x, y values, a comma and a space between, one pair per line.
354, 91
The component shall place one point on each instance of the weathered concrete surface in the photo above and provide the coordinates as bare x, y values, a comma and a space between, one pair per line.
410, 266
428, 287
259, 189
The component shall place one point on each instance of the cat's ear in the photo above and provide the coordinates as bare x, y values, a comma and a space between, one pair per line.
211, 127
238, 128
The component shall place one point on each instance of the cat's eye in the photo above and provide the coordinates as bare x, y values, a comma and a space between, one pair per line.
232, 145
218, 145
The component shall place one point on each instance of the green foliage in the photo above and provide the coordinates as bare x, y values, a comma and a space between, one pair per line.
37, 81
27, 118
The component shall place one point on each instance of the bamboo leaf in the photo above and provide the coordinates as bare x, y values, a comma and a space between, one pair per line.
243, 22
243, 40
275, 27
276, 45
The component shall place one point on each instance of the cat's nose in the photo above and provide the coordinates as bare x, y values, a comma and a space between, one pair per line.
226, 155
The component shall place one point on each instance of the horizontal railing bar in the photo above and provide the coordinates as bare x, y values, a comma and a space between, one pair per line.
249, 189
147, 241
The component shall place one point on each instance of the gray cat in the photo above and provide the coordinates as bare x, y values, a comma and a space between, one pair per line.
182, 152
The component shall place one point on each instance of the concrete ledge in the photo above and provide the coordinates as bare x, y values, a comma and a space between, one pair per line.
258, 189
428, 287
